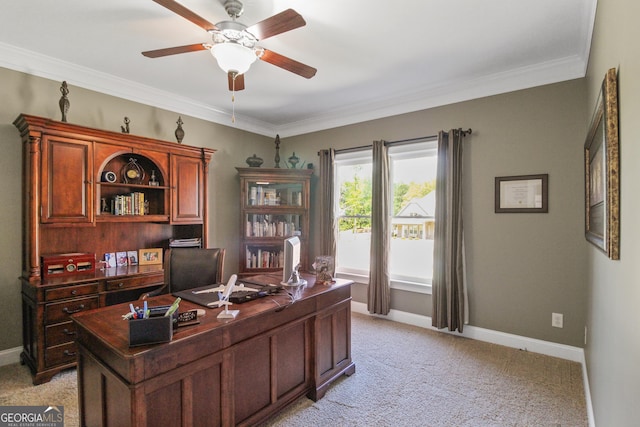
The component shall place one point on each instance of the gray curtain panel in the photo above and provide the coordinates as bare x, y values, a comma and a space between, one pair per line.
328, 228
379, 294
449, 293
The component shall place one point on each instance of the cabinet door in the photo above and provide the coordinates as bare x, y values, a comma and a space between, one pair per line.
187, 182
66, 180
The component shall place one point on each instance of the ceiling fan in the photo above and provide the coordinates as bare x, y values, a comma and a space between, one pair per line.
234, 45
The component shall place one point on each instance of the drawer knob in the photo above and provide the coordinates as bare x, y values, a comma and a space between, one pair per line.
120, 284
80, 308
68, 332
74, 292
70, 353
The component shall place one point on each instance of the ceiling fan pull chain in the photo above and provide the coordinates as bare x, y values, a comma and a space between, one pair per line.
233, 99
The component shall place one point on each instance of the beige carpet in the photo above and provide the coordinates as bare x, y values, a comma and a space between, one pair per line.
405, 376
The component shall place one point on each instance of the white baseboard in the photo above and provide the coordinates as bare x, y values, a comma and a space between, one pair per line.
10, 356
574, 354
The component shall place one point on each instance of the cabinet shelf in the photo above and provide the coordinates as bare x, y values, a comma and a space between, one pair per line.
107, 217
133, 186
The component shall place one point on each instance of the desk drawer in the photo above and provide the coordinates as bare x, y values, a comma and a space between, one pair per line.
60, 311
61, 354
71, 292
134, 282
60, 334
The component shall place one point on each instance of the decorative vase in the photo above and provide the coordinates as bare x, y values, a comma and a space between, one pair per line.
179, 131
254, 161
294, 160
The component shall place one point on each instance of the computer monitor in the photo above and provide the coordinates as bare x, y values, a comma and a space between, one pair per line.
290, 275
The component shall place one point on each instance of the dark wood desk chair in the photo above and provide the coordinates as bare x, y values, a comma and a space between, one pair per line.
187, 268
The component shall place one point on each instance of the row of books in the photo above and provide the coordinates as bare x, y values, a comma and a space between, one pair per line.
264, 258
275, 228
267, 196
129, 204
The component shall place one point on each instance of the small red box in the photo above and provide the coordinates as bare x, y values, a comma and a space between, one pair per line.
68, 264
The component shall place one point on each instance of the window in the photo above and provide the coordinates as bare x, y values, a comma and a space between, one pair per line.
413, 182
353, 190
412, 217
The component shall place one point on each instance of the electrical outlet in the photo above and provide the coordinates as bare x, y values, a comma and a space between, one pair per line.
556, 320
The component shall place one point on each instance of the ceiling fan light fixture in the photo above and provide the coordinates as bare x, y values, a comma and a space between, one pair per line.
233, 57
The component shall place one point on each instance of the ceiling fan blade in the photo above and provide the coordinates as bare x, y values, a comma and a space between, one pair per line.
277, 24
239, 81
187, 14
287, 63
174, 50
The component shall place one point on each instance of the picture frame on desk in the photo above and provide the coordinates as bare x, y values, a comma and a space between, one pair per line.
150, 256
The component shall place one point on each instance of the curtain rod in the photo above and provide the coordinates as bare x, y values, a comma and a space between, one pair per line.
394, 143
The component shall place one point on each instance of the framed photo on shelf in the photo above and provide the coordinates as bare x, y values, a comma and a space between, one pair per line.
133, 257
110, 259
601, 167
121, 259
150, 256
522, 194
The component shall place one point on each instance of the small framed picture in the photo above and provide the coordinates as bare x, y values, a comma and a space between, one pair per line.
150, 256
121, 259
133, 257
524, 193
110, 259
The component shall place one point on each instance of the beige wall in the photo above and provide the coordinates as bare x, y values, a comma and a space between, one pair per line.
521, 267
613, 348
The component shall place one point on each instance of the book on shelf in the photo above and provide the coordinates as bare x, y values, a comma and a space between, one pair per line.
128, 204
264, 258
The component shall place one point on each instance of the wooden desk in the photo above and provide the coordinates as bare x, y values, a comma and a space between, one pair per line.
237, 372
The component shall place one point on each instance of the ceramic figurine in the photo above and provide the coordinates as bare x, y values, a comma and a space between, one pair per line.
125, 128
64, 101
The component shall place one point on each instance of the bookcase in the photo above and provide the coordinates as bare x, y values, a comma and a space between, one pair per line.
88, 192
274, 205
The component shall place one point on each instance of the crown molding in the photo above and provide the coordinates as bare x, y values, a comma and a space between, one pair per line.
423, 98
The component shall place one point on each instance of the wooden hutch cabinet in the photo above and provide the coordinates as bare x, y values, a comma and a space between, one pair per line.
88, 191
274, 205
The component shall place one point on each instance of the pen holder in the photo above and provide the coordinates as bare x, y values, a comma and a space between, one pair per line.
153, 330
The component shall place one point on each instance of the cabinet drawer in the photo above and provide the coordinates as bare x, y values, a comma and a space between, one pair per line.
71, 291
60, 311
134, 282
60, 334
61, 354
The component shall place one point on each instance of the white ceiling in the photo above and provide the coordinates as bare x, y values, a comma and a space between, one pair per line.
375, 58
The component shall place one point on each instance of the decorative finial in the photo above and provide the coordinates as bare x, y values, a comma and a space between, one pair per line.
277, 159
64, 101
179, 131
125, 128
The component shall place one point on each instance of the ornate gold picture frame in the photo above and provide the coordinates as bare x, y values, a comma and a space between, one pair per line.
602, 170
